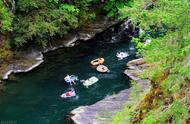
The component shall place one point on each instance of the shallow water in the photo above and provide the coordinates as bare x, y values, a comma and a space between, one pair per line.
34, 98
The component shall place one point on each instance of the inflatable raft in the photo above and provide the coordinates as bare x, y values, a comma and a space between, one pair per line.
102, 68
90, 81
71, 79
68, 94
97, 61
122, 55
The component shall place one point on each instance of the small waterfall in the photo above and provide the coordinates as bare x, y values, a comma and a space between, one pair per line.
125, 30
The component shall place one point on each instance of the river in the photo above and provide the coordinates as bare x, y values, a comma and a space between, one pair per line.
34, 97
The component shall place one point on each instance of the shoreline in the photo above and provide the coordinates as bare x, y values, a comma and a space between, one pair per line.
34, 57
103, 110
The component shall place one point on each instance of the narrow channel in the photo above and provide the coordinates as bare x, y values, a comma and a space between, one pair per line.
34, 97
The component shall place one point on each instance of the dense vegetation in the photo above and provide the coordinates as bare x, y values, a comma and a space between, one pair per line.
167, 24
36, 22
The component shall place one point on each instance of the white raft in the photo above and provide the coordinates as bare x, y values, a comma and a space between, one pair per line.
68, 94
122, 55
90, 81
102, 68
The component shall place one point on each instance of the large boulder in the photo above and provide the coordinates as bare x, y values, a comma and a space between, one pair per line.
135, 68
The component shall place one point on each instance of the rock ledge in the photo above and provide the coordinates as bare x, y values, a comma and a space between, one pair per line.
102, 111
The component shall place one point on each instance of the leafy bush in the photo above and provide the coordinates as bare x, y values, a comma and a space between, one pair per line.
169, 53
5, 18
177, 112
113, 6
37, 21
125, 116
5, 53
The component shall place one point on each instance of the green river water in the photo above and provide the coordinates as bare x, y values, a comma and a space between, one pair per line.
34, 97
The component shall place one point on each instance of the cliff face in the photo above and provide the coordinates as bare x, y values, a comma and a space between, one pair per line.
26, 60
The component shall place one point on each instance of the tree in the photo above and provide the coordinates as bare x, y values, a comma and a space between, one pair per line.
167, 24
5, 18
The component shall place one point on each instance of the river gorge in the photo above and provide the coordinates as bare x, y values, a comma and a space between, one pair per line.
34, 97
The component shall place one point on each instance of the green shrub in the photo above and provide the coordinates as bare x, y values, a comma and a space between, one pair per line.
5, 18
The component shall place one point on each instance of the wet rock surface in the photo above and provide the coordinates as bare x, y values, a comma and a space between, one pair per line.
33, 57
135, 68
102, 111
25, 63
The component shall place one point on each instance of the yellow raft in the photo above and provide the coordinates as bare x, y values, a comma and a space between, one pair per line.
97, 61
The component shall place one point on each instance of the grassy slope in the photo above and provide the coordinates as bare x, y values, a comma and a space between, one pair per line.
167, 24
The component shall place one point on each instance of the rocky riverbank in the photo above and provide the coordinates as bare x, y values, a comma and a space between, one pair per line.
27, 60
102, 111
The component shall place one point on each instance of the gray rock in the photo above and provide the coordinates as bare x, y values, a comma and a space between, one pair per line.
103, 111
133, 74
135, 68
17, 69
136, 62
35, 54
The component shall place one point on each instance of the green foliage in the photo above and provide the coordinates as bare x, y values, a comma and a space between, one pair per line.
87, 11
37, 21
177, 111
28, 6
167, 24
5, 53
113, 6
54, 1
41, 25
166, 14
136, 88
171, 49
124, 116
69, 8
5, 18
85, 4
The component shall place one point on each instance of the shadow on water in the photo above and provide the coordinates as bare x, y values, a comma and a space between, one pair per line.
34, 98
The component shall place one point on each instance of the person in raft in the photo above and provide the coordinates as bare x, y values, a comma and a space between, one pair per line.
68, 79
68, 94
71, 93
71, 79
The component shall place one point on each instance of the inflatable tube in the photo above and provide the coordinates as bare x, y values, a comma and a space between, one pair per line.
102, 68
97, 61
68, 94
122, 55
